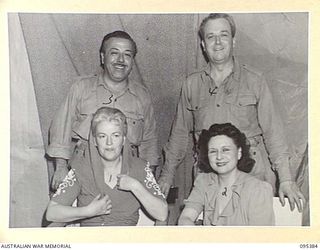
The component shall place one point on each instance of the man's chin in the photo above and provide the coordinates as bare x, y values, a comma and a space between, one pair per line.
119, 78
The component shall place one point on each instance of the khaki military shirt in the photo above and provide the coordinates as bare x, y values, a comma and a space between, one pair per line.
89, 93
244, 99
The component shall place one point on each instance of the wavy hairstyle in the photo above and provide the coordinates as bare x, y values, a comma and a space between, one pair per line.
245, 163
214, 16
109, 115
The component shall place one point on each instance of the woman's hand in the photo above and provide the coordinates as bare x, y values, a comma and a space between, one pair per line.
99, 206
127, 183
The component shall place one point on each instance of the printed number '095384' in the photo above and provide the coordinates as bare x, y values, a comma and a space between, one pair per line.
308, 246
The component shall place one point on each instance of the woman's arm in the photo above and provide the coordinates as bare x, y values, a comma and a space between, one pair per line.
260, 205
155, 206
188, 217
61, 213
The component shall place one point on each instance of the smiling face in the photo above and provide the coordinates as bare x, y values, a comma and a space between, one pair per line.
217, 41
109, 139
117, 58
223, 154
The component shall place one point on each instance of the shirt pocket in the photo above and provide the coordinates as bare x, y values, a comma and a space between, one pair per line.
135, 124
86, 108
244, 110
199, 111
81, 125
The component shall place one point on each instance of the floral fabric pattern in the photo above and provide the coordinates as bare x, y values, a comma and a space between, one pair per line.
68, 181
151, 182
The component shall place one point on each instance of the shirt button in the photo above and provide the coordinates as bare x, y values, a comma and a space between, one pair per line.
218, 105
115, 100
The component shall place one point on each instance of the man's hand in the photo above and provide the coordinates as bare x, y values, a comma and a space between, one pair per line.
58, 176
99, 206
291, 190
164, 186
127, 183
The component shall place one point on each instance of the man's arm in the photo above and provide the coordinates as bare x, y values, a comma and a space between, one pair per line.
176, 148
149, 149
276, 143
59, 146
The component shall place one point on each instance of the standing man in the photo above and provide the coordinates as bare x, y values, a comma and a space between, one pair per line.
228, 91
111, 88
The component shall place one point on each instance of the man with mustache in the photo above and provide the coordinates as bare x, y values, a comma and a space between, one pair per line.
110, 88
228, 91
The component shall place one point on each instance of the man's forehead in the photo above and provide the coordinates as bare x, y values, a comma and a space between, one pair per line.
219, 24
118, 42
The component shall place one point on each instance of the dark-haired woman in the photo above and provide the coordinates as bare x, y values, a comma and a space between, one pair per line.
224, 192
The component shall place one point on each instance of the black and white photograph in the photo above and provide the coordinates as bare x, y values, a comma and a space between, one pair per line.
162, 121
185, 119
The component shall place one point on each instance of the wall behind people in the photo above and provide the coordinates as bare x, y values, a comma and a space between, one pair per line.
28, 173
62, 46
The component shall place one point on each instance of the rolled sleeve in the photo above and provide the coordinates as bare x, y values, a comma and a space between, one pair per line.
60, 131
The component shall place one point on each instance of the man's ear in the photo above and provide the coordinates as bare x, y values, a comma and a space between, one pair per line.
102, 58
124, 140
234, 42
95, 141
239, 153
202, 46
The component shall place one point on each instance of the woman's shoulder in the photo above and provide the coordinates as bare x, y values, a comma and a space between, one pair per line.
80, 164
252, 184
206, 179
138, 166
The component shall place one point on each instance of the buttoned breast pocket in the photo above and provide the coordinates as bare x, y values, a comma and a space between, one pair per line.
135, 127
244, 110
199, 111
81, 125
86, 107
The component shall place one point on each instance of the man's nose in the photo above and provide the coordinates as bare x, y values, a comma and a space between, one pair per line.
109, 140
121, 57
217, 39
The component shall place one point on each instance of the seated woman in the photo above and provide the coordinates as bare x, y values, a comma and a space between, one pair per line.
224, 192
109, 183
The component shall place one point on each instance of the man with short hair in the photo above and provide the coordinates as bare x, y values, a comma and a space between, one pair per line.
110, 88
228, 91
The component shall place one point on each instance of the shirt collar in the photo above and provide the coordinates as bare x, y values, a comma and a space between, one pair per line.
236, 187
235, 70
228, 211
130, 86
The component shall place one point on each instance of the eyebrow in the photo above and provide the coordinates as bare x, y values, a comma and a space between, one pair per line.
221, 31
127, 50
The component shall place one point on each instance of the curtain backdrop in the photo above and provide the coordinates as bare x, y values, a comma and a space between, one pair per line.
54, 48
